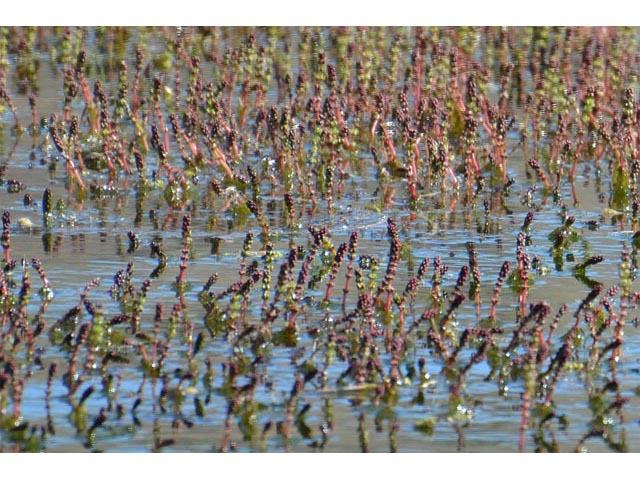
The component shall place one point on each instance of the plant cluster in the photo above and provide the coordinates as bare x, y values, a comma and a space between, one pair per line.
273, 133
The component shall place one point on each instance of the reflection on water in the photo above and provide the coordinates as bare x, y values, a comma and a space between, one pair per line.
91, 238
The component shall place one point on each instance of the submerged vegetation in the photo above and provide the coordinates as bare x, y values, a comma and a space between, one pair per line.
326, 239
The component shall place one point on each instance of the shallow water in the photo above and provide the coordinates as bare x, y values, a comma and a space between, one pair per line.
90, 241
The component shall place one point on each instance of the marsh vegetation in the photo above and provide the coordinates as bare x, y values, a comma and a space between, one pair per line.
319, 239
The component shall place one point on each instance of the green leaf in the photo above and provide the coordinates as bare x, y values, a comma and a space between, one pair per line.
426, 426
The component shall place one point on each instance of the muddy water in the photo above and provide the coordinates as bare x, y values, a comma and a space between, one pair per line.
89, 240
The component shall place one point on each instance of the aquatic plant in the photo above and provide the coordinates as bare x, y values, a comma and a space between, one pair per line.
318, 204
